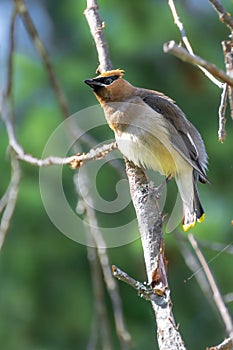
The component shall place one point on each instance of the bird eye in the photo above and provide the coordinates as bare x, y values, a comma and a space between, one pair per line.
108, 81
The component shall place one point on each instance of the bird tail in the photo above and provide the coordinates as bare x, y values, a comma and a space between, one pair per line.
193, 213
192, 209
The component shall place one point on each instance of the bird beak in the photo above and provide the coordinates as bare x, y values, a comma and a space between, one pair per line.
93, 83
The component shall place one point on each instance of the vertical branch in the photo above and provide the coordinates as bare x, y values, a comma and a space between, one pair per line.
10, 58
150, 226
147, 211
96, 27
227, 46
8, 201
221, 115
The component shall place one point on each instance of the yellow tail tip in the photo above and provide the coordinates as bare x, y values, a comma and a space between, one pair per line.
187, 227
201, 219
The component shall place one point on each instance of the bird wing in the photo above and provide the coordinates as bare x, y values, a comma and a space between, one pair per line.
184, 136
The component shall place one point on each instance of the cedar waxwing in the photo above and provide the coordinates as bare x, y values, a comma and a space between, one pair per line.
153, 132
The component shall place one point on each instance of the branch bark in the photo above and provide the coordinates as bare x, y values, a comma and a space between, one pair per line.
150, 226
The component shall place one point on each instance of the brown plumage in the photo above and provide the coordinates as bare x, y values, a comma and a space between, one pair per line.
153, 132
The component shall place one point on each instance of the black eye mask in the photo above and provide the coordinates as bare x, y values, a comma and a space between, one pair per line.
106, 80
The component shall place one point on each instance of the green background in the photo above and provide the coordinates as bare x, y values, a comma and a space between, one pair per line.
46, 297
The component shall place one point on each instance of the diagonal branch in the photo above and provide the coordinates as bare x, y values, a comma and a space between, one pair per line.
187, 43
12, 195
224, 16
180, 52
216, 293
56, 87
31, 29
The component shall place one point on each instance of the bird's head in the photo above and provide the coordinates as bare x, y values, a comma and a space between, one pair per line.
110, 86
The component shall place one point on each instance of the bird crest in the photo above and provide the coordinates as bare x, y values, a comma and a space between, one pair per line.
110, 73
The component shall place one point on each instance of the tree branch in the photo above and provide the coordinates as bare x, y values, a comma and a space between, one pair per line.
75, 161
186, 42
31, 29
96, 27
150, 226
144, 291
180, 52
216, 293
147, 211
224, 16
12, 195
221, 115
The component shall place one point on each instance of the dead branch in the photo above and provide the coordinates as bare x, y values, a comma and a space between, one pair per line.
180, 52
187, 44
74, 161
144, 291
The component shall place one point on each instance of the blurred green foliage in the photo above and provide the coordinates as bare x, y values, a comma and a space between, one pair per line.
46, 297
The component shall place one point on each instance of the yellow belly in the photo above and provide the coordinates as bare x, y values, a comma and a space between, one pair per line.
149, 153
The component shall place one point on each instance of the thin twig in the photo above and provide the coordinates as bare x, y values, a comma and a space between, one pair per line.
75, 161
8, 201
144, 291
180, 26
12, 198
216, 293
180, 52
31, 29
224, 16
186, 42
221, 114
